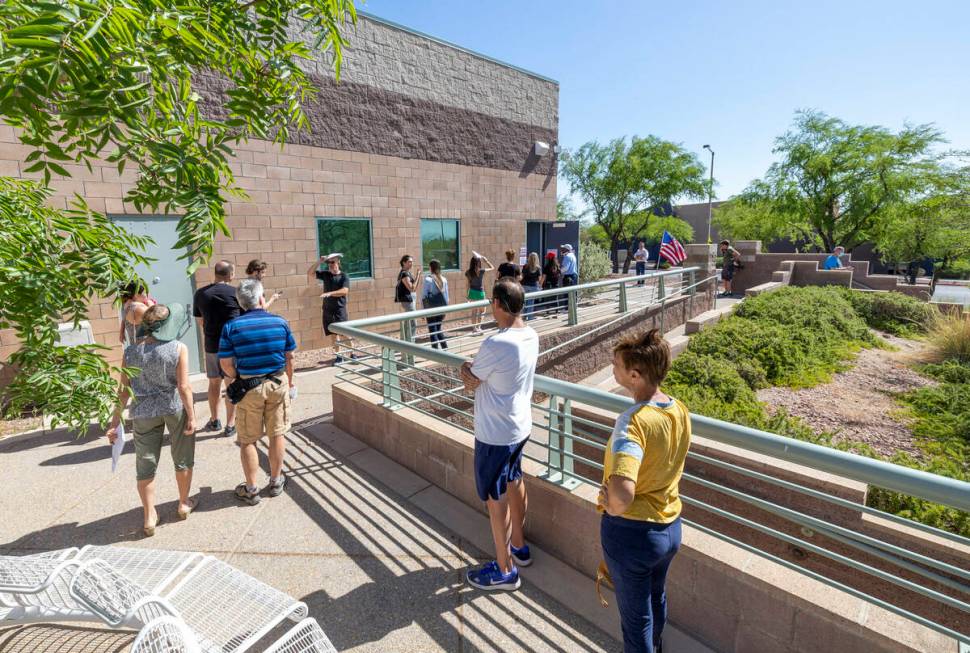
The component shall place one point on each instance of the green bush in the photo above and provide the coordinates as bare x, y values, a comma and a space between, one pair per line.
798, 336
959, 269
949, 338
892, 312
594, 262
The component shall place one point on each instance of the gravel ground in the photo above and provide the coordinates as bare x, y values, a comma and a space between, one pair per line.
858, 405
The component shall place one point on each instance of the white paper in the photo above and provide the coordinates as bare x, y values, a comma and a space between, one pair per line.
293, 393
118, 446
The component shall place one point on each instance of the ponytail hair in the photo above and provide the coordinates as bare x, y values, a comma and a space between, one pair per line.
647, 353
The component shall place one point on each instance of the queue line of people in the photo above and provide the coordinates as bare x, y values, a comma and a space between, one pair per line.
643, 459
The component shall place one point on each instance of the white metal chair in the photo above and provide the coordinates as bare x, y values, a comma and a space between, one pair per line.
165, 635
305, 637
37, 587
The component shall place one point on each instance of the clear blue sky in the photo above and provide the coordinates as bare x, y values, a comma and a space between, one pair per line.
730, 74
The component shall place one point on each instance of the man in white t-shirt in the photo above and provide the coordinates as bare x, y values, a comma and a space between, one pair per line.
502, 376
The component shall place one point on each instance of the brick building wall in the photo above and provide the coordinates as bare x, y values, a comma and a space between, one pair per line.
416, 128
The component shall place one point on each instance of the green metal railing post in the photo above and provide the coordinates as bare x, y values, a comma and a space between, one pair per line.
661, 291
390, 381
573, 313
623, 304
554, 469
567, 479
691, 279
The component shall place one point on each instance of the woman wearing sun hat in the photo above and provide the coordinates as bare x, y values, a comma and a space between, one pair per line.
162, 401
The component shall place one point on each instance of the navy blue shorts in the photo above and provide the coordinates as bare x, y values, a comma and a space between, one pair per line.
495, 466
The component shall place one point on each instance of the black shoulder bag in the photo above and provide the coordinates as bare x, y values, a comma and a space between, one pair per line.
236, 390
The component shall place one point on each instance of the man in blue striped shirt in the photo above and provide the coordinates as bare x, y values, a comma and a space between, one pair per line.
259, 345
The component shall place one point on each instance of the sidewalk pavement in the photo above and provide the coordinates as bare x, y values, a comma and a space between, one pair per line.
376, 552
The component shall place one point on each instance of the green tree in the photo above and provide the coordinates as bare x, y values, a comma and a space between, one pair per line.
565, 211
114, 79
834, 181
936, 227
619, 181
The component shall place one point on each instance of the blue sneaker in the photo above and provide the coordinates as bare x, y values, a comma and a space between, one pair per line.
522, 557
490, 577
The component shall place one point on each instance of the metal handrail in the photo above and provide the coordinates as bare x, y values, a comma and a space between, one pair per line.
393, 378
939, 489
485, 303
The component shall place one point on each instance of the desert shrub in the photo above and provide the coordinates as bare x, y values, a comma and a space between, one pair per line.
821, 314
717, 375
594, 262
949, 338
891, 312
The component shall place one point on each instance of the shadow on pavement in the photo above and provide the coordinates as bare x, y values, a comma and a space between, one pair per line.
47, 638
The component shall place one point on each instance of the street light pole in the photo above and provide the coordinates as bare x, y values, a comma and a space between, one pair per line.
710, 194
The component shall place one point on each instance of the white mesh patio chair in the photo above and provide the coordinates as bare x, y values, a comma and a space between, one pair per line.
38, 586
305, 637
165, 635
152, 570
114, 598
229, 610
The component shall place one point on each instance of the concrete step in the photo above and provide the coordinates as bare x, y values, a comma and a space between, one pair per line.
677, 344
705, 320
754, 291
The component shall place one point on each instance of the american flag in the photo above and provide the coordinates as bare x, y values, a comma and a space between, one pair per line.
672, 250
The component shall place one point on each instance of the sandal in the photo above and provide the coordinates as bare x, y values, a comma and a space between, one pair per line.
184, 514
150, 530
244, 495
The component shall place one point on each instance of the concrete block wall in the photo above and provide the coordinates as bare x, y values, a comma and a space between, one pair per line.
289, 188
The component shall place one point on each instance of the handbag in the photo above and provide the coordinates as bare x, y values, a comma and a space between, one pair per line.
435, 300
236, 390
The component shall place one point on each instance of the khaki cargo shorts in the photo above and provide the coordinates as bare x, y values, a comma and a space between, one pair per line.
265, 410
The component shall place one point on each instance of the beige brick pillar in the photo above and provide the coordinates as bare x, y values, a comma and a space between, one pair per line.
703, 256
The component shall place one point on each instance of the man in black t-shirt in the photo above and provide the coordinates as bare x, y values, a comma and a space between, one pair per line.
336, 287
214, 306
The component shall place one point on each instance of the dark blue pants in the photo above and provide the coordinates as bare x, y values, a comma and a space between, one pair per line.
641, 270
638, 554
434, 329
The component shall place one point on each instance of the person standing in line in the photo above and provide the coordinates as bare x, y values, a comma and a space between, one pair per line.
475, 274
510, 268
501, 377
215, 305
135, 301
641, 256
834, 260
730, 262
531, 282
336, 287
256, 269
162, 400
551, 277
570, 268
640, 529
405, 292
259, 346
434, 294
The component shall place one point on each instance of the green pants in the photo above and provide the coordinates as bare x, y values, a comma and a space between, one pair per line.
148, 444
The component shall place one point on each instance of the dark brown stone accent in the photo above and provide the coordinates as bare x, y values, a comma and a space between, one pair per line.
360, 118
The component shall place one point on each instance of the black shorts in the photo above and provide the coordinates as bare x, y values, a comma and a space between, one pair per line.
332, 317
727, 271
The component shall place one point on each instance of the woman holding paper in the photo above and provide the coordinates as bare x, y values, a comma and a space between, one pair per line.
162, 400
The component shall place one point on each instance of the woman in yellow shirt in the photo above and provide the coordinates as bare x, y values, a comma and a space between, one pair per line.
640, 530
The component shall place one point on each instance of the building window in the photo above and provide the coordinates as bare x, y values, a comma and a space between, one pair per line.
439, 239
352, 238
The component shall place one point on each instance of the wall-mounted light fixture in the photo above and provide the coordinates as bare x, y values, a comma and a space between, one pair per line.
540, 148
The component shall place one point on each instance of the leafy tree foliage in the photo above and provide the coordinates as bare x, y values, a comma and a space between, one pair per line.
619, 181
113, 79
835, 182
936, 227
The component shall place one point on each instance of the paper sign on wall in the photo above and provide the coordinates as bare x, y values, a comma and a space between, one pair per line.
523, 255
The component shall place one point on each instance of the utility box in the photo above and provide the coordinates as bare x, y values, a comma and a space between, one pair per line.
71, 337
